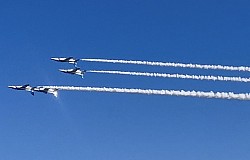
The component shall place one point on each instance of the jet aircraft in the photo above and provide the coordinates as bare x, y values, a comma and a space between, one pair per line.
46, 90
26, 87
76, 71
70, 60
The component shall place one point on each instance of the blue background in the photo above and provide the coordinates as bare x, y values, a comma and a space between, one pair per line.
97, 126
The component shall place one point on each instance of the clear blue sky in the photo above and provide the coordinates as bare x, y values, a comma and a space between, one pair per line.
109, 126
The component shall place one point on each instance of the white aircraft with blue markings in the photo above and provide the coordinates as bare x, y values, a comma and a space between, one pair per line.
47, 90
26, 87
70, 60
76, 71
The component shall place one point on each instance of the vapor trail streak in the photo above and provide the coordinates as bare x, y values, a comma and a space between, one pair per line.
182, 76
168, 64
223, 95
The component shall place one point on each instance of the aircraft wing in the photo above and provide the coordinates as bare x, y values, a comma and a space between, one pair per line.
69, 58
26, 85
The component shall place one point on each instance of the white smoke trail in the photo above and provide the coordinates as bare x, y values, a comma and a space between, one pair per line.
182, 76
223, 95
168, 64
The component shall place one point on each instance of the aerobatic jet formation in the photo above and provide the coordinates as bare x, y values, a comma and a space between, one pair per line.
70, 60
46, 90
30, 89
26, 87
76, 71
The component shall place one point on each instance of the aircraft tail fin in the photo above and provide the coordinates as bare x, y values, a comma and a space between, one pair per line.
55, 93
83, 72
75, 64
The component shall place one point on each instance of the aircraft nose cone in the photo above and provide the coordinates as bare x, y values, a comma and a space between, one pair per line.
11, 87
62, 70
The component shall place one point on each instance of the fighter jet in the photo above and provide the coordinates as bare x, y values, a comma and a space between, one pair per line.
46, 90
26, 87
76, 71
70, 60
